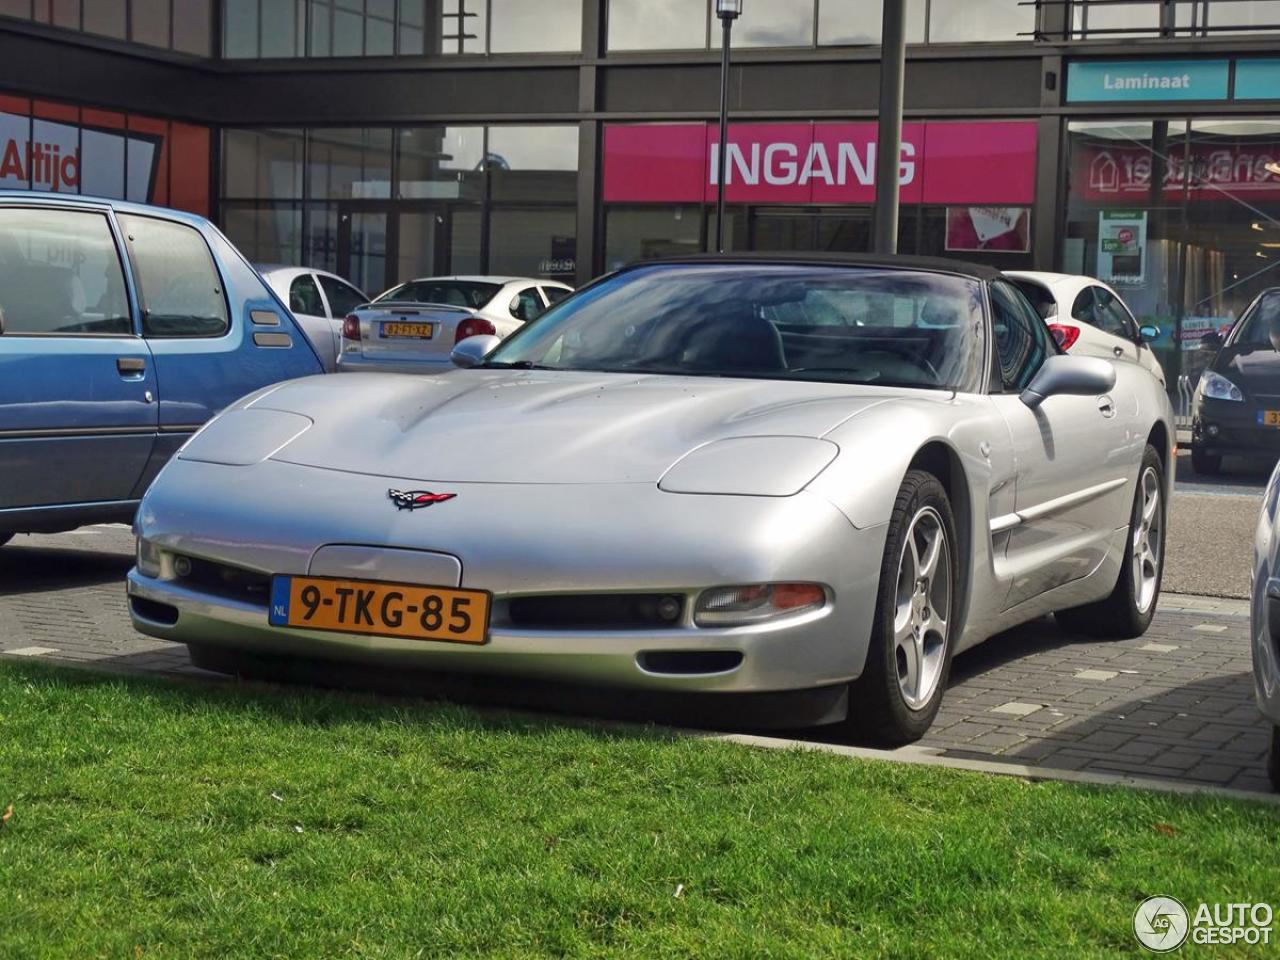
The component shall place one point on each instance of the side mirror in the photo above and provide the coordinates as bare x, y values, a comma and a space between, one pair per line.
473, 350
1211, 340
1148, 333
1078, 376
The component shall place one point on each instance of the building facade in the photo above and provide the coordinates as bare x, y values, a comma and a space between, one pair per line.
385, 139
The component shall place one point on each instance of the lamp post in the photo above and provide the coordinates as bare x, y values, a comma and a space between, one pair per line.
728, 11
893, 51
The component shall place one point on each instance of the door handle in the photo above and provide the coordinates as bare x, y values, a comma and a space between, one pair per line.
1106, 406
131, 366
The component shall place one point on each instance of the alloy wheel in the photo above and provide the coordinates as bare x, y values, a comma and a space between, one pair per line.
1147, 541
922, 616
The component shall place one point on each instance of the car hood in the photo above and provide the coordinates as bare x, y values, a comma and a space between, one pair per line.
541, 426
1255, 370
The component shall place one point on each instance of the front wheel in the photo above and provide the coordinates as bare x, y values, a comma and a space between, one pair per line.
909, 657
1273, 759
1127, 612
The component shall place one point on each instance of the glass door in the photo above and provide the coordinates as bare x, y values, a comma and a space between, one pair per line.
423, 244
363, 247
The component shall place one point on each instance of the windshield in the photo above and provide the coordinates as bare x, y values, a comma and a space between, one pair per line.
1260, 327
455, 293
839, 324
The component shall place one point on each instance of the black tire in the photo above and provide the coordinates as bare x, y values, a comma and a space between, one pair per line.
1273, 759
1120, 616
1205, 463
878, 709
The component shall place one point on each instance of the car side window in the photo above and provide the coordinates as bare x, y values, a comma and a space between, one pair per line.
343, 298
555, 294
178, 283
60, 273
1083, 309
1112, 315
1022, 339
304, 296
526, 305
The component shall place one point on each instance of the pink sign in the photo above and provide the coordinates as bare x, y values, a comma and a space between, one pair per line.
1121, 172
944, 163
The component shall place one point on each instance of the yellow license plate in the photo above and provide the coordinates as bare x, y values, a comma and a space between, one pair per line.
1269, 418
415, 331
406, 610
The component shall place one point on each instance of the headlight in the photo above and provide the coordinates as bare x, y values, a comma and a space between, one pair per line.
756, 603
1217, 387
148, 558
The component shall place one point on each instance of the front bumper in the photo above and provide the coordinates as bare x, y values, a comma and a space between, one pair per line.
522, 541
1231, 428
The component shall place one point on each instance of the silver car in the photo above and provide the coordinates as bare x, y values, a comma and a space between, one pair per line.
808, 481
413, 326
1264, 610
319, 301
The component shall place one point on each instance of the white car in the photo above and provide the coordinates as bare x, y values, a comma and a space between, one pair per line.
320, 301
1264, 620
413, 326
1088, 317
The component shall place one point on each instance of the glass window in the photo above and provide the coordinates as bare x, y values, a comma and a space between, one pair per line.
193, 27
642, 233
536, 26
534, 243
464, 241
149, 22
1022, 339
849, 24
1038, 295
777, 23
262, 163
60, 273
440, 163
526, 305
533, 163
266, 233
240, 29
472, 294
178, 284
1221, 15
66, 13
350, 164
555, 294
304, 296
901, 328
1084, 307
409, 30
420, 240
105, 17
1110, 19
657, 25
1112, 316
16, 8
343, 298
971, 21
282, 24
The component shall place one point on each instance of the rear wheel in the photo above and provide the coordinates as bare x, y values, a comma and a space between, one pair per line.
909, 657
1127, 612
1205, 463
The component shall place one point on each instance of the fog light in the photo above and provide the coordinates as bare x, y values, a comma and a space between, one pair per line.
1212, 430
147, 558
669, 609
756, 603
182, 566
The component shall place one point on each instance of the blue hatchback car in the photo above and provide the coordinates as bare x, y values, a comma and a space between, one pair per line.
123, 328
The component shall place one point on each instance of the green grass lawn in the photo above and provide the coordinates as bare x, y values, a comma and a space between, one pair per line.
154, 820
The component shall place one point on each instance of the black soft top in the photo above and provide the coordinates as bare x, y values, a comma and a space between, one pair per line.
976, 271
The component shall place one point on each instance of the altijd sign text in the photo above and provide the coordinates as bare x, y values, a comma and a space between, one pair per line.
788, 164
43, 165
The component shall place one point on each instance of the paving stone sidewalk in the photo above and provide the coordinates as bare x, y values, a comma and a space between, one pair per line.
1176, 703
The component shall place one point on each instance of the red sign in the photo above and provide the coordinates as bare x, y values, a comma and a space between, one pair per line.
940, 163
1121, 173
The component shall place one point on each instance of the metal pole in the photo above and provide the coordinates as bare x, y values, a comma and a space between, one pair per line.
893, 55
723, 158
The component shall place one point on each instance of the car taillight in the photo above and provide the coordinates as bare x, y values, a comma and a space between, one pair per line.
475, 327
1065, 335
351, 328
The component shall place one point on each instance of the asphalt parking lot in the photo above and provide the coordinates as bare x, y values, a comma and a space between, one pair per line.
1174, 704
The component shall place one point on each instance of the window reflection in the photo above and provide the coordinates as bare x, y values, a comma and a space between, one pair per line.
778, 23
535, 25
972, 21
847, 24
657, 25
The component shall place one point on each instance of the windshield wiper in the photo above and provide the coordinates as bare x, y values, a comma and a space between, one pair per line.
515, 365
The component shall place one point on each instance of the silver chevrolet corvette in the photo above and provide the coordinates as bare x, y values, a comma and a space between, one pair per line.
805, 480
